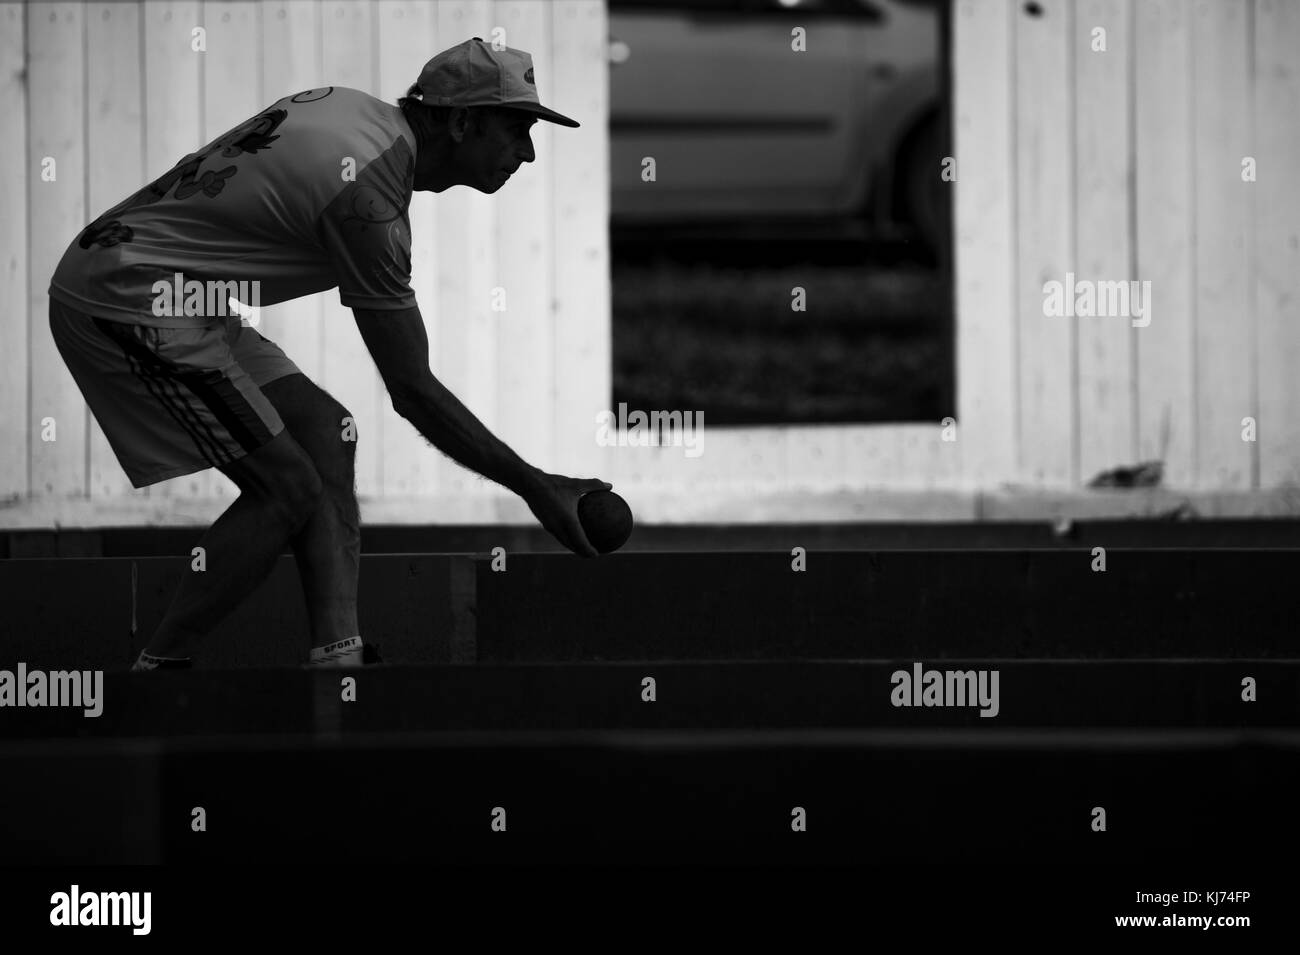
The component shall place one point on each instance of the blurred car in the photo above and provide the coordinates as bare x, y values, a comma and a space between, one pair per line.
744, 130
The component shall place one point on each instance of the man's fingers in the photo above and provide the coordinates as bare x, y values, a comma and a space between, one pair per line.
580, 537
571, 535
581, 547
589, 485
558, 505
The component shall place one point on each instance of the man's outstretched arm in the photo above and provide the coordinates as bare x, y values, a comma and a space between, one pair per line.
400, 347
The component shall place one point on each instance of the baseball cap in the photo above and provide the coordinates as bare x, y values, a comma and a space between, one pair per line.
474, 74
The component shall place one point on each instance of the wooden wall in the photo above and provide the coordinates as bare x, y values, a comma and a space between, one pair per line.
1127, 164
1119, 165
115, 94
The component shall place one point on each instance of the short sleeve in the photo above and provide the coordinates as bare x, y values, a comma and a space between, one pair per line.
366, 233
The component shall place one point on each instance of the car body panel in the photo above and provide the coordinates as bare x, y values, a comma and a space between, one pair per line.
739, 125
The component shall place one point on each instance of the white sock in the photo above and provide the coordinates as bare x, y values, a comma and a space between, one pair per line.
344, 653
147, 661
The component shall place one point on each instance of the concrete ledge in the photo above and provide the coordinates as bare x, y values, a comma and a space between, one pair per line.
905, 604
656, 506
1026, 504
482, 539
99, 613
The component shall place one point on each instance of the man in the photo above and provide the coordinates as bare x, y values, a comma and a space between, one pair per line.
179, 387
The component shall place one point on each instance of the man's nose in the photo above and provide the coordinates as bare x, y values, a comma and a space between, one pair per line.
526, 153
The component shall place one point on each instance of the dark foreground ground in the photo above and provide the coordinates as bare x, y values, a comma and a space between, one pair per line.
694, 700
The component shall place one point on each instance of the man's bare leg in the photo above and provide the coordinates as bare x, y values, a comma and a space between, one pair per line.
279, 491
328, 546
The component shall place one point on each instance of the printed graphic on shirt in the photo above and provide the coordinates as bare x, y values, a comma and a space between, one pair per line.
265, 202
367, 234
248, 137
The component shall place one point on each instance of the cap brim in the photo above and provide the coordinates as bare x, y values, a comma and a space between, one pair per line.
541, 112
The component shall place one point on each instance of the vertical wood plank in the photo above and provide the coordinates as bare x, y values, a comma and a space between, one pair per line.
347, 54
467, 243
230, 88
56, 106
636, 470
1224, 323
984, 218
1104, 245
17, 317
742, 461
230, 96
290, 58
814, 456
410, 466
872, 456
173, 129
581, 316
1164, 184
525, 257
759, 462
115, 141
925, 459
1277, 242
1044, 133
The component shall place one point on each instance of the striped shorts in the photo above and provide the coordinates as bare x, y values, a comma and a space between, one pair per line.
172, 401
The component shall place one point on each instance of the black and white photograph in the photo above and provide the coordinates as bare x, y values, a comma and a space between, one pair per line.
709, 454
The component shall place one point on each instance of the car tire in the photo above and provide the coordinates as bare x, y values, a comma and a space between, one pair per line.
927, 198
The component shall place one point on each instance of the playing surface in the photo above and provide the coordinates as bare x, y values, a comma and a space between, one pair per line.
659, 706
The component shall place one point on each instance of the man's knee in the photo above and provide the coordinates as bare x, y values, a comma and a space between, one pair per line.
281, 474
336, 441
330, 439
299, 494
324, 428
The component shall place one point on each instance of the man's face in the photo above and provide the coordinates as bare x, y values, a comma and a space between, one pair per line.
493, 152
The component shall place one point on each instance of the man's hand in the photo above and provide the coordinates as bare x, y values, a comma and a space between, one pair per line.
400, 347
553, 499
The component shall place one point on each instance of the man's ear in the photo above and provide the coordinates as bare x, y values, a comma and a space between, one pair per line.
459, 122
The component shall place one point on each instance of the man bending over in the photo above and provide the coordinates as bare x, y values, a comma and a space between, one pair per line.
178, 389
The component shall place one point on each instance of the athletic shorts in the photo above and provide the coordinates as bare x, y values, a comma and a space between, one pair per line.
172, 401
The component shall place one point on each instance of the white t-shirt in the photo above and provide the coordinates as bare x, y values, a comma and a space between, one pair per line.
310, 194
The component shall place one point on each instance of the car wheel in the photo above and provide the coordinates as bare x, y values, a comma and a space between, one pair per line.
927, 198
